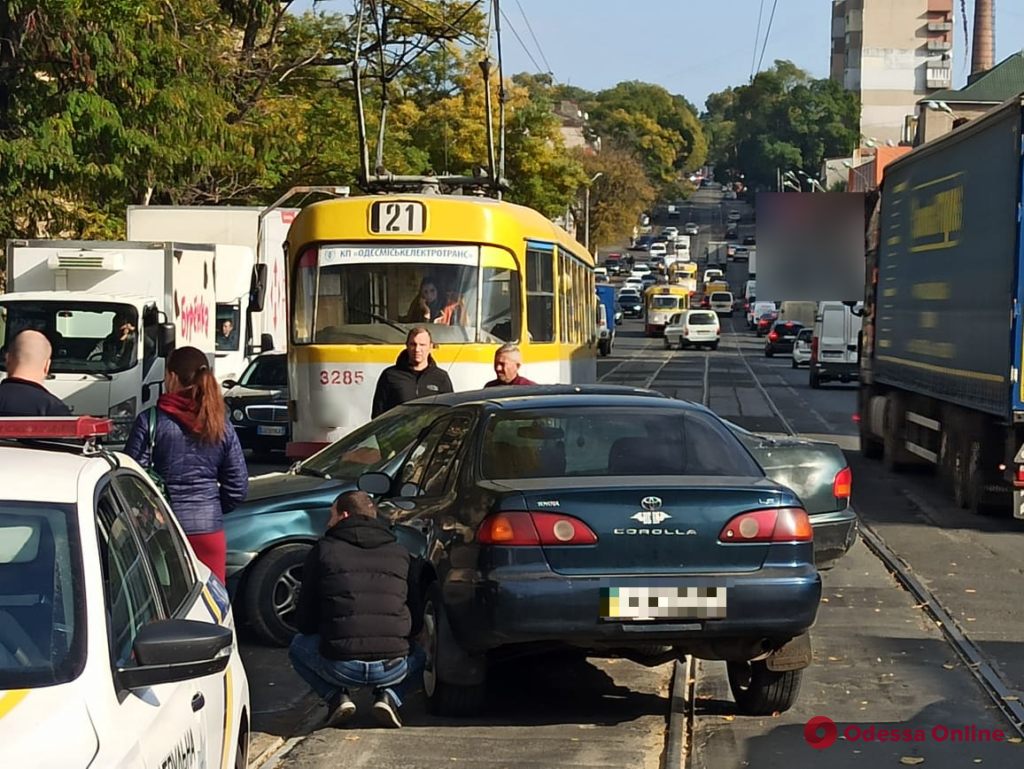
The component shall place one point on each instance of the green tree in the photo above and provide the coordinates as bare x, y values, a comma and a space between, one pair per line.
661, 128
785, 120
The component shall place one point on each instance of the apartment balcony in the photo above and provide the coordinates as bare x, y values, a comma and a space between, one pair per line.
940, 26
938, 78
939, 45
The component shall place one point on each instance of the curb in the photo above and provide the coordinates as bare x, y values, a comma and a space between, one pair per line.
675, 736
280, 747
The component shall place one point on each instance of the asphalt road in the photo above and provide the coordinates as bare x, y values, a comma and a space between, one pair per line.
879, 659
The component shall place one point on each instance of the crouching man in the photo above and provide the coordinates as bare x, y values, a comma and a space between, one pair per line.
358, 608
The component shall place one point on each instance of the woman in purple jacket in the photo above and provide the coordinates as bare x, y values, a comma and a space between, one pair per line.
195, 452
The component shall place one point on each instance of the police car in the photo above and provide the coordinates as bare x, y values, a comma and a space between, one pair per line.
117, 646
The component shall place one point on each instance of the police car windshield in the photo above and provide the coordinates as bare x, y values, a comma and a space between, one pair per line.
42, 620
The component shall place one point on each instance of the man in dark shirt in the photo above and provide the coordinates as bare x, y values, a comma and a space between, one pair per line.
507, 361
414, 375
358, 608
22, 393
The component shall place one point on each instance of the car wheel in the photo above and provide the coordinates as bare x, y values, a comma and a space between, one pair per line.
795, 365
443, 652
242, 752
759, 691
714, 345
668, 344
272, 593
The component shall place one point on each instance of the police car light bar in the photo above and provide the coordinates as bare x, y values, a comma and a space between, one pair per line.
79, 428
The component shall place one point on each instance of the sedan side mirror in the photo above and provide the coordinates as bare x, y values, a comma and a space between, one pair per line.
376, 484
172, 650
227, 384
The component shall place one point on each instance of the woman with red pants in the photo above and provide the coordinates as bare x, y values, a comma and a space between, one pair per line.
188, 442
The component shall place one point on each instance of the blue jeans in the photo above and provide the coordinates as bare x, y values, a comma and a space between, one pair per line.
329, 677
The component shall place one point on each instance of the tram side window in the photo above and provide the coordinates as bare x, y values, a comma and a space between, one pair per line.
540, 295
563, 262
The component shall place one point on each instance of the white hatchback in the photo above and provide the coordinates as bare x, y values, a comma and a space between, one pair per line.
693, 328
117, 645
802, 347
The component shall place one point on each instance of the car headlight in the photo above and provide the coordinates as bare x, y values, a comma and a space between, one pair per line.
121, 416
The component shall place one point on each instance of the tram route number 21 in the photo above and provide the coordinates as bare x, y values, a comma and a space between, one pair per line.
341, 377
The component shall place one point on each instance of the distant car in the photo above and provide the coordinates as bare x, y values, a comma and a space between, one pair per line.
734, 216
690, 228
721, 302
802, 348
749, 240
542, 521
631, 305
764, 322
257, 404
613, 264
693, 328
781, 337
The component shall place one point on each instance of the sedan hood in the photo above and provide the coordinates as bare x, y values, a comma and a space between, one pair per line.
284, 492
241, 391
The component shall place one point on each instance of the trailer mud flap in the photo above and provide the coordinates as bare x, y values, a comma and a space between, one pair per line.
795, 655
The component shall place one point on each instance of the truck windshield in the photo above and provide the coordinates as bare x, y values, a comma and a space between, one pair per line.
352, 295
91, 337
42, 622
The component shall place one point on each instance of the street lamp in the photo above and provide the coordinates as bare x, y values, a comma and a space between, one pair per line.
586, 209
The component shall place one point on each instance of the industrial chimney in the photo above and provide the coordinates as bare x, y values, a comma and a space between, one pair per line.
983, 52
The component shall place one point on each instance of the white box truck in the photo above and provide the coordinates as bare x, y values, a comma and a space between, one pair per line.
254, 302
113, 311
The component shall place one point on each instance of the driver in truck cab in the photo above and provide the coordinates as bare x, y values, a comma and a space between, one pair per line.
117, 349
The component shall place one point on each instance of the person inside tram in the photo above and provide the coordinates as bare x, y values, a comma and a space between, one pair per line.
427, 306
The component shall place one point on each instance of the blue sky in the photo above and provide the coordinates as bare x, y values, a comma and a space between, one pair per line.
692, 47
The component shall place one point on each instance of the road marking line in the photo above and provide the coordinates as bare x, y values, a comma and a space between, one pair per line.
768, 398
650, 380
622, 363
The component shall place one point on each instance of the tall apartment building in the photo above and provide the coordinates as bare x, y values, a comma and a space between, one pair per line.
892, 53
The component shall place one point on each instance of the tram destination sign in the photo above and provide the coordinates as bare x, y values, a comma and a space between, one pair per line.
337, 255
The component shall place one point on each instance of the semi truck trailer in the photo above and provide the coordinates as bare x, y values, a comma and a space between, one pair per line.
941, 349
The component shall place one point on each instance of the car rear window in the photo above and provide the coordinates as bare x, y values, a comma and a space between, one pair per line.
702, 319
721, 296
587, 442
788, 329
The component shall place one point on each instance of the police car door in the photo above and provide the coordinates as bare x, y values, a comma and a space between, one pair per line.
185, 597
154, 726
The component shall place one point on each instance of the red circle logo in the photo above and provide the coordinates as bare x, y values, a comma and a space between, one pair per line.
817, 741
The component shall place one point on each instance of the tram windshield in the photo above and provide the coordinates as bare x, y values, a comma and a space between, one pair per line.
374, 295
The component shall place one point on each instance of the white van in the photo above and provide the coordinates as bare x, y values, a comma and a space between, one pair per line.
834, 354
721, 302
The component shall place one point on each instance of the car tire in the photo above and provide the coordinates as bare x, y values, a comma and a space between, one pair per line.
714, 345
445, 698
668, 344
242, 750
759, 691
271, 587
795, 365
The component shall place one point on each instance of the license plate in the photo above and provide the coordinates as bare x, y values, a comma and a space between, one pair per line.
654, 603
269, 430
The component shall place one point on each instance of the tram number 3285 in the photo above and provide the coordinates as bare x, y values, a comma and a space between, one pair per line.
341, 377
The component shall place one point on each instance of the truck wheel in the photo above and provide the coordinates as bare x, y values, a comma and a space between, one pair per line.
272, 592
893, 453
759, 691
443, 653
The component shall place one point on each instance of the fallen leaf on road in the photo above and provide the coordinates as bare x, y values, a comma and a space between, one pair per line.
775, 714
947, 666
911, 760
920, 605
729, 718
352, 737
839, 595
970, 590
1015, 740
972, 619
574, 739
1011, 698
833, 659
977, 760
824, 600
952, 564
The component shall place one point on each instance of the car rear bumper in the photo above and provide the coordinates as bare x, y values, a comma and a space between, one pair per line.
844, 372
834, 535
544, 607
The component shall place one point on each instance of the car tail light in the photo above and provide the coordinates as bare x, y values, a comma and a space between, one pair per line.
526, 529
773, 336
783, 524
1018, 479
842, 485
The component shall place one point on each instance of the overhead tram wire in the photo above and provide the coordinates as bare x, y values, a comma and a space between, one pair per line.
521, 43
767, 34
463, 35
757, 38
536, 42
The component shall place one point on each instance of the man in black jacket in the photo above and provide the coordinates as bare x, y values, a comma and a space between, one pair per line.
414, 375
358, 608
22, 393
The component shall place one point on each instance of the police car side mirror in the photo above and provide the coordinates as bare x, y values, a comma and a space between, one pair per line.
172, 650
